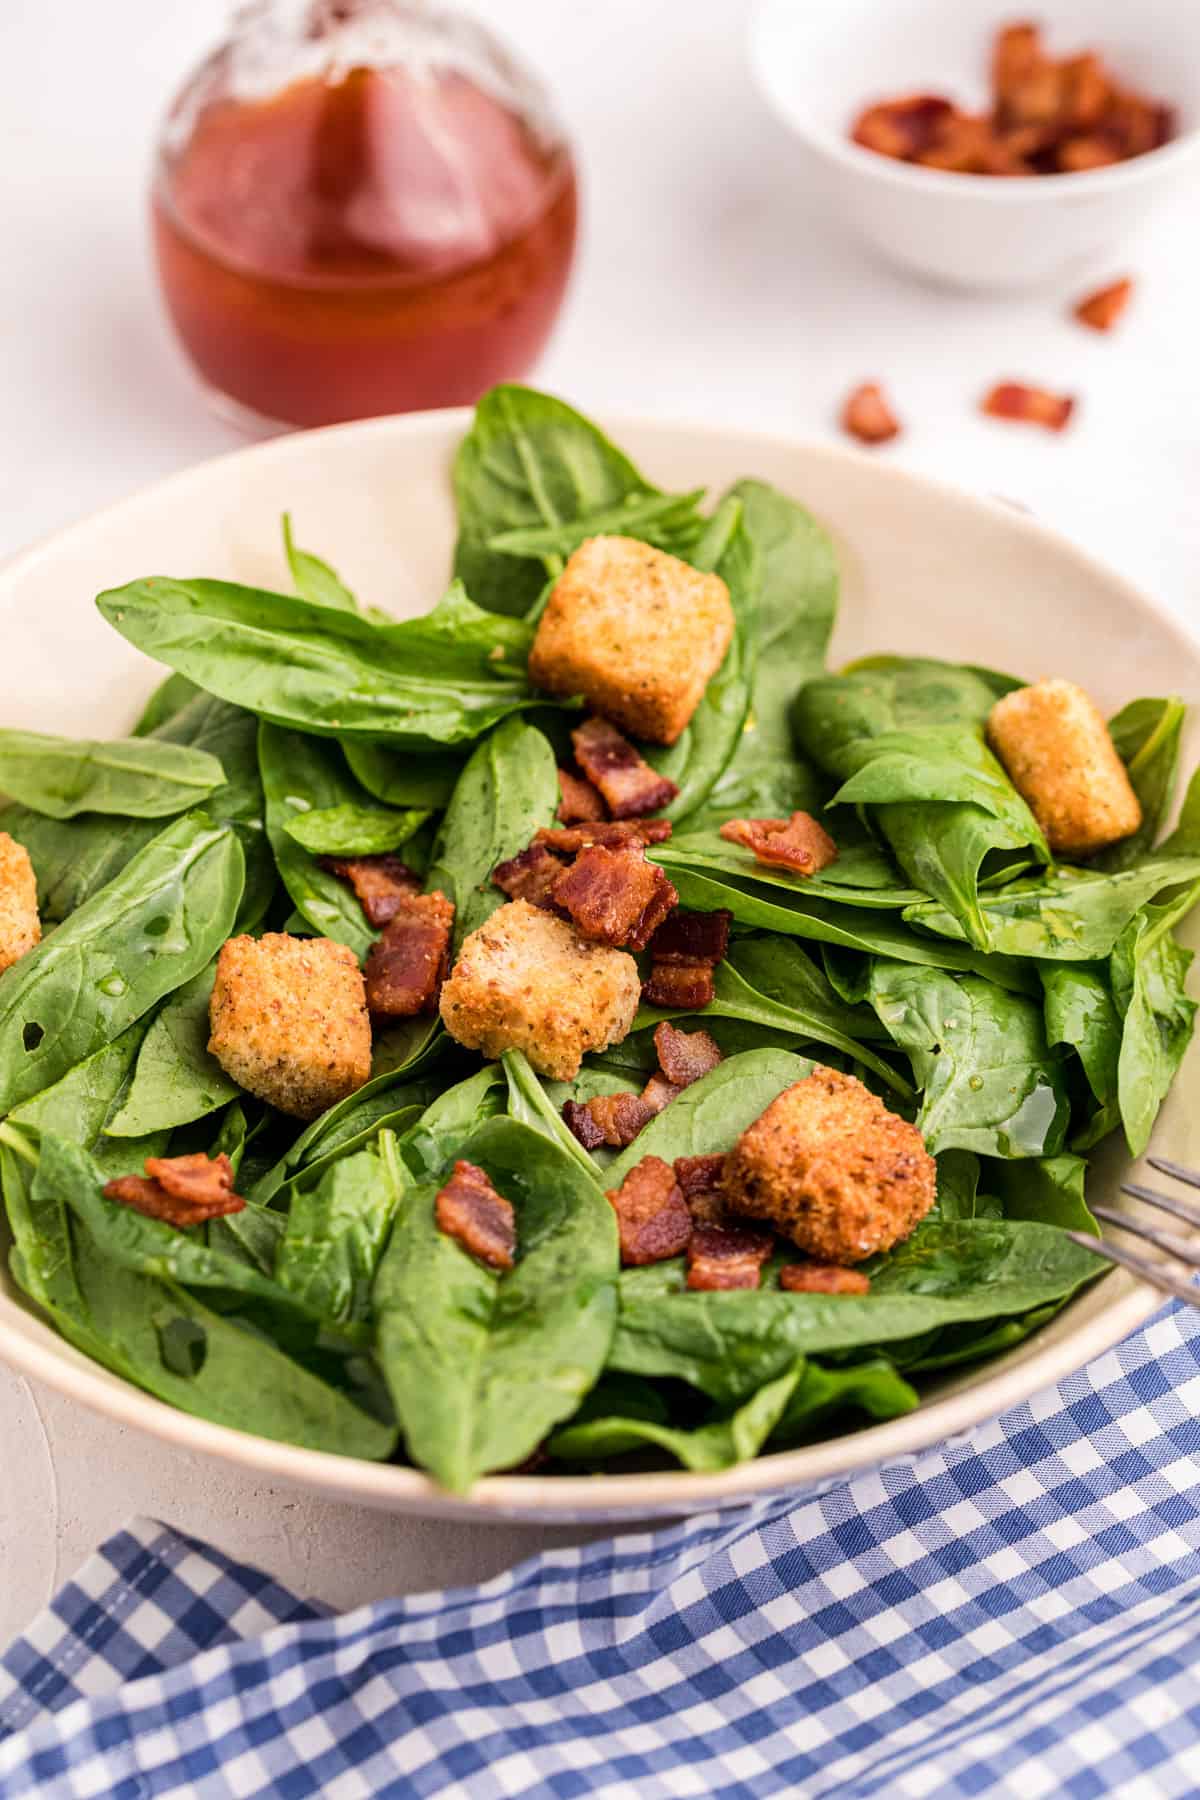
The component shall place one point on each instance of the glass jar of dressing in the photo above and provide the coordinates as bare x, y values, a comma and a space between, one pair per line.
360, 207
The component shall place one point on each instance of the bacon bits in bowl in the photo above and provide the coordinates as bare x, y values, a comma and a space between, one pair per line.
978, 148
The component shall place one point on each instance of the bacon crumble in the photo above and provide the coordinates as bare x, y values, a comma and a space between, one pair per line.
701, 1180
658, 1093
867, 416
470, 1210
798, 843
1028, 405
615, 897
679, 986
381, 883
653, 1221
613, 834
822, 1278
530, 875
726, 1256
1102, 309
685, 1056
405, 967
692, 937
579, 802
180, 1190
630, 787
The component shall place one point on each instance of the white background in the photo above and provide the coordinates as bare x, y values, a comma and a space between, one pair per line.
706, 288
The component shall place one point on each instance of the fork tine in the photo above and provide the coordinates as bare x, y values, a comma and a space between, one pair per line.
1170, 1241
1165, 1167
1141, 1266
1179, 1209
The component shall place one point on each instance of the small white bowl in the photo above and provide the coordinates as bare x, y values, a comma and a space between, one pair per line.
820, 64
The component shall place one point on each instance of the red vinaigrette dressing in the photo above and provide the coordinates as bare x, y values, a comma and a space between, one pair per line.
382, 242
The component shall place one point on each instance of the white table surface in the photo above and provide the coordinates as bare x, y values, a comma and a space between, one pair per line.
705, 289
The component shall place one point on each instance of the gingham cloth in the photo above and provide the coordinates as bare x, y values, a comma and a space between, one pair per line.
1015, 1614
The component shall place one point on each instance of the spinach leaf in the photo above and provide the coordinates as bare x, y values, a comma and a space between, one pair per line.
1147, 735
718, 1445
1048, 1190
989, 1080
712, 1113
960, 1344
797, 599
697, 757
481, 1366
529, 461
1080, 1012
823, 1394
1069, 915
300, 775
957, 1185
336, 1232
817, 1017
1149, 973
432, 1144
668, 521
508, 789
529, 1103
81, 1104
156, 925
137, 777
176, 1080
443, 679
351, 829
948, 1272
1185, 839
169, 697
314, 579
402, 778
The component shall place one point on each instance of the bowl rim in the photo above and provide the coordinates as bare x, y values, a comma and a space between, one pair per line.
999, 190
41, 1354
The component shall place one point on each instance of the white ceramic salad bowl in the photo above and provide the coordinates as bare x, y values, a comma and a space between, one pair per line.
925, 570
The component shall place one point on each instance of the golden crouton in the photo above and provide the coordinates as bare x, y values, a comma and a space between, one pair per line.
289, 1020
831, 1168
527, 981
1055, 745
637, 632
20, 927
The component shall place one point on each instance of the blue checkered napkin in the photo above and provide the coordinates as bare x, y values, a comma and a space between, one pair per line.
1018, 1614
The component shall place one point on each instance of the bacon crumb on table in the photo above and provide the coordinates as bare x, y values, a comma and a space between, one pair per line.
1102, 309
405, 968
867, 415
615, 897
630, 787
381, 883
470, 1210
726, 1256
179, 1190
579, 802
1028, 405
530, 875
822, 1278
798, 843
652, 1216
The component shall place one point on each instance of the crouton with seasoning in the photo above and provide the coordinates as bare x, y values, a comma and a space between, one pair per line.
1053, 741
526, 980
832, 1169
20, 927
637, 632
289, 1021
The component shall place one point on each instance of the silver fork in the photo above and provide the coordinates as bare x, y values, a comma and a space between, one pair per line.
1181, 1249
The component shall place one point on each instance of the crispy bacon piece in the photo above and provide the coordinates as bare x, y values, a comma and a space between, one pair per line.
613, 834
631, 788
470, 1210
1033, 406
867, 416
726, 1256
615, 897
1090, 150
381, 883
1016, 53
903, 128
530, 875
658, 1094
684, 1056
179, 1190
700, 1179
577, 1117
652, 1216
822, 1278
798, 843
679, 986
692, 937
405, 967
580, 802
619, 1117
1102, 309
